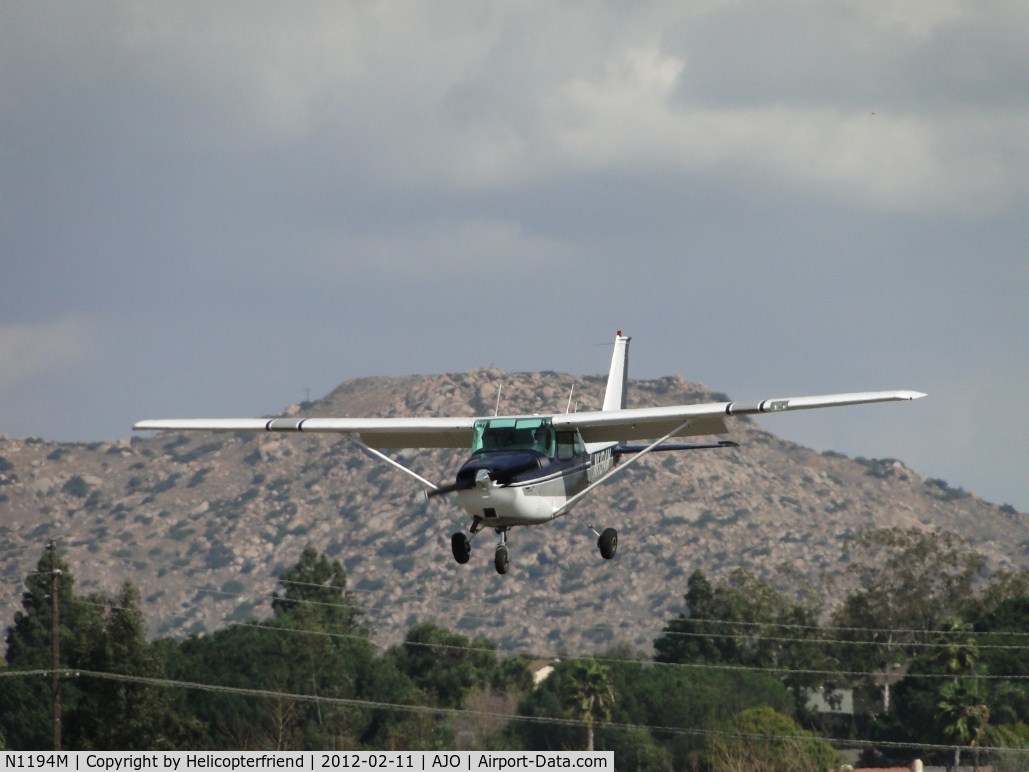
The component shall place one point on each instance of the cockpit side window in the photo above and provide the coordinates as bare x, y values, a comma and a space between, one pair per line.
569, 445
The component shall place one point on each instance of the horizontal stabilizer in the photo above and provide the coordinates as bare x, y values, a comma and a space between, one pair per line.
621, 450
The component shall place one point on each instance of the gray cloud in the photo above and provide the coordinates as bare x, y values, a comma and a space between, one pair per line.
209, 209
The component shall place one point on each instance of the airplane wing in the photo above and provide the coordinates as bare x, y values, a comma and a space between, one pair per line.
596, 426
709, 418
453, 432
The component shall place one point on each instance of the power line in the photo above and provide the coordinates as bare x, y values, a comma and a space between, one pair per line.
458, 712
644, 663
692, 620
351, 603
572, 657
760, 637
788, 626
845, 642
785, 625
832, 628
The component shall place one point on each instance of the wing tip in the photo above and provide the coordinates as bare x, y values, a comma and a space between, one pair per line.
911, 394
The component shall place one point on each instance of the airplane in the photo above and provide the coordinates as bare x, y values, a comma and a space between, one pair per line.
531, 469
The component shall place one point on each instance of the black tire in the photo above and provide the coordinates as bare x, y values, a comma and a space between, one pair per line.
461, 546
501, 560
608, 543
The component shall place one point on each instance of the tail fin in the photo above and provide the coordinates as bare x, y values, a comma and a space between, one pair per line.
618, 376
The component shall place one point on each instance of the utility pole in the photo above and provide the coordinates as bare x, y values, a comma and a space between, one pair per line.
55, 644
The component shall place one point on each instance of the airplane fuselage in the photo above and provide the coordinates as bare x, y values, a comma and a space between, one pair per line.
525, 474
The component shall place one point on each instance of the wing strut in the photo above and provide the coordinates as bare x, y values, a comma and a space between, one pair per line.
395, 464
563, 510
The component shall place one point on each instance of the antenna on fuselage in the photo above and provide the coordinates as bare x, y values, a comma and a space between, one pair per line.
568, 407
496, 410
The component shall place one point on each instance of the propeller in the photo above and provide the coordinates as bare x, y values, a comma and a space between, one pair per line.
443, 490
485, 476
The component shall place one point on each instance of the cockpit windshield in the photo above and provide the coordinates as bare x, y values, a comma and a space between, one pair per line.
500, 434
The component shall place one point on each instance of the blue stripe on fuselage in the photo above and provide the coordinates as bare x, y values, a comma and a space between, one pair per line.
576, 472
531, 494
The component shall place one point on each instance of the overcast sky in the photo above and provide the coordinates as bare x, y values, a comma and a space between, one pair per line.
213, 209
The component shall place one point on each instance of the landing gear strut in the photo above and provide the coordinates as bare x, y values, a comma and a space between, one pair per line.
462, 545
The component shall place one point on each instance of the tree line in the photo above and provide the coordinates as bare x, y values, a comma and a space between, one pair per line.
930, 647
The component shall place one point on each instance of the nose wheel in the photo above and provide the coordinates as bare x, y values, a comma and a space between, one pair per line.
500, 560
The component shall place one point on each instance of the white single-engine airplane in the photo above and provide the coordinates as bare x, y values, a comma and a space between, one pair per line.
531, 469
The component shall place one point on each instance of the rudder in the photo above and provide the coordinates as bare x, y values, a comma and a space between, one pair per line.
618, 376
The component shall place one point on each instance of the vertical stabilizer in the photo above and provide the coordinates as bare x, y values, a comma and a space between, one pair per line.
618, 377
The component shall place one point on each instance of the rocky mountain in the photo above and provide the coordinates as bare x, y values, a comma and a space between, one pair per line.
203, 523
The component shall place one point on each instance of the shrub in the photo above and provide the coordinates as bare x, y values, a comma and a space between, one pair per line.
76, 486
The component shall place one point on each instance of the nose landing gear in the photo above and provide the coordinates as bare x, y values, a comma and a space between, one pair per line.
461, 546
500, 560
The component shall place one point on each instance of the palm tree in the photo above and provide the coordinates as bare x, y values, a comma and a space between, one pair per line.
589, 696
960, 654
961, 711
964, 717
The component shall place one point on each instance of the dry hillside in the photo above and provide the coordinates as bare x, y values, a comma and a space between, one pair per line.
202, 524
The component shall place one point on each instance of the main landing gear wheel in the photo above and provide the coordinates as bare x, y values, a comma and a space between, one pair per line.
501, 560
608, 543
462, 547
